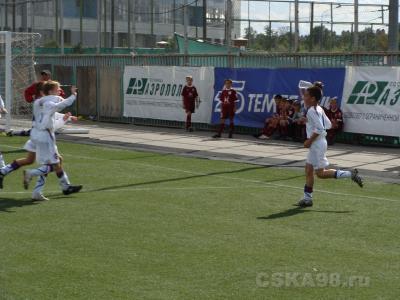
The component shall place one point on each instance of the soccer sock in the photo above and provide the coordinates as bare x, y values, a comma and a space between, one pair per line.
221, 128
231, 127
308, 192
188, 121
63, 180
9, 168
39, 185
2, 163
342, 174
41, 171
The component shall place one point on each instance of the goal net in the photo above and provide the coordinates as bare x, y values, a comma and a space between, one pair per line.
17, 72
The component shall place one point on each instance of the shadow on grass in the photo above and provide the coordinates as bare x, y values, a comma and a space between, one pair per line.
298, 210
14, 151
8, 203
177, 179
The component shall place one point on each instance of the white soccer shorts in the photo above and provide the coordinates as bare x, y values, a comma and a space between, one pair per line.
317, 154
46, 149
30, 146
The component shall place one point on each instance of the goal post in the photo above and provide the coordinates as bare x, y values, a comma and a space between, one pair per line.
17, 72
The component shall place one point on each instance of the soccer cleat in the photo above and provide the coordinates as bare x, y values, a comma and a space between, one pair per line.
72, 189
190, 129
357, 178
27, 179
9, 133
1, 180
39, 197
305, 203
216, 136
263, 137
230, 135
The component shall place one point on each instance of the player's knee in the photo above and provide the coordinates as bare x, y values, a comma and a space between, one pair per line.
320, 173
30, 159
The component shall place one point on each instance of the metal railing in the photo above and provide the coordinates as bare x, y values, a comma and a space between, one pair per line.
241, 60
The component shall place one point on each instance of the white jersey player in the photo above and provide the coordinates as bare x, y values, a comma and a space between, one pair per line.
43, 137
316, 126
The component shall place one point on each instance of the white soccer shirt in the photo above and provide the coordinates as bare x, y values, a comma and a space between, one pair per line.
317, 122
45, 109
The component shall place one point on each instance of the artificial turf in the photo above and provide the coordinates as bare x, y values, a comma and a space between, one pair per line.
154, 226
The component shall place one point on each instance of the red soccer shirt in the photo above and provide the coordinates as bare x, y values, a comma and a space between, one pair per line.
228, 97
189, 93
336, 117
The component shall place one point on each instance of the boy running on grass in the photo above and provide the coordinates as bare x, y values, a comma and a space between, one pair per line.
189, 98
317, 125
228, 98
43, 137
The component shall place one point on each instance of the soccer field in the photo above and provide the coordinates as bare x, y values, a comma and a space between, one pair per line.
154, 226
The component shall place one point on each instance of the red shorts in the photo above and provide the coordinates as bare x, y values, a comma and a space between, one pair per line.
227, 111
189, 105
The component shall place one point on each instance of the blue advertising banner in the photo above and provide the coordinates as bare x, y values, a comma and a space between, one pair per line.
256, 89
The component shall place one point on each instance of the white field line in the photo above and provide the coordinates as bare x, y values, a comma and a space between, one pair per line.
194, 188
151, 166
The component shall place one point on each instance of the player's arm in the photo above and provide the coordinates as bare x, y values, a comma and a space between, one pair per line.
29, 93
2, 106
57, 107
318, 127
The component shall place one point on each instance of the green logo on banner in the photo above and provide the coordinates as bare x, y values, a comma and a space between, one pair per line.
153, 87
375, 93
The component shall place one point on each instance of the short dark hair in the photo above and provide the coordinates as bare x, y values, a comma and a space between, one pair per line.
319, 84
49, 85
315, 92
278, 97
39, 86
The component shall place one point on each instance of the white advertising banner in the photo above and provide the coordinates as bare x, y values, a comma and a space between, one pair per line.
371, 100
155, 92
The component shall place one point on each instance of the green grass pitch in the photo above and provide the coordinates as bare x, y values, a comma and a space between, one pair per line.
153, 226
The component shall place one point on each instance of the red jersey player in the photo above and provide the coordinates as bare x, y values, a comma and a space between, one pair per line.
33, 92
336, 117
228, 98
189, 98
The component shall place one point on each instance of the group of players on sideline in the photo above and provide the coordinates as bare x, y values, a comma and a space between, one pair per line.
288, 122
309, 123
45, 95
315, 126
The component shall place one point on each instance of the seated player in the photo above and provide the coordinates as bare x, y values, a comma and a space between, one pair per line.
336, 117
317, 125
297, 122
189, 99
228, 98
272, 123
43, 137
286, 114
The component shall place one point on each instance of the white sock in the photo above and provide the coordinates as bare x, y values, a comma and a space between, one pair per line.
63, 180
9, 168
342, 174
41, 171
2, 163
39, 185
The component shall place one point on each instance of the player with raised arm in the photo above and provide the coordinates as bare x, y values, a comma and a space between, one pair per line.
43, 136
30, 147
317, 125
